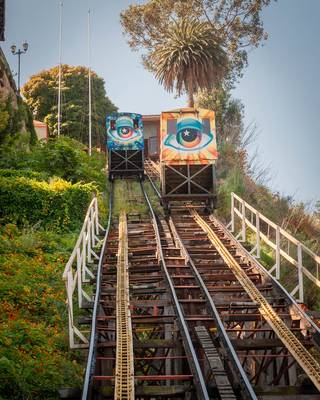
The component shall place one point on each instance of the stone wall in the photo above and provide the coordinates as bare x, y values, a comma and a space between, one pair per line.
7, 83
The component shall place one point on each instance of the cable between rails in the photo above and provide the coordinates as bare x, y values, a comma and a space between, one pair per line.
124, 382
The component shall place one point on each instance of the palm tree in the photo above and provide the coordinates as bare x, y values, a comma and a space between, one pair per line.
189, 59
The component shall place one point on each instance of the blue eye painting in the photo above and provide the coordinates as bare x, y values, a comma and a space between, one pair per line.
125, 131
190, 136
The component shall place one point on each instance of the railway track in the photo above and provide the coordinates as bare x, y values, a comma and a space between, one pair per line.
160, 363
276, 343
206, 321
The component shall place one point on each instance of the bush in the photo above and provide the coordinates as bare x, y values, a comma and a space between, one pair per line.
34, 357
62, 157
39, 176
56, 205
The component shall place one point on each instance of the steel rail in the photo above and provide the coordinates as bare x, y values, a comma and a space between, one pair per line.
199, 379
223, 336
94, 334
124, 379
304, 358
154, 186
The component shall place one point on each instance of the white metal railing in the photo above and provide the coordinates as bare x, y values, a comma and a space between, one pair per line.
78, 272
280, 241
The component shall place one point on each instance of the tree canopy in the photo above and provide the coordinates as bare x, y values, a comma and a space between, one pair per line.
235, 24
190, 58
41, 94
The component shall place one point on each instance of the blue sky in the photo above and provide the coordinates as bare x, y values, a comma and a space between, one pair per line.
280, 88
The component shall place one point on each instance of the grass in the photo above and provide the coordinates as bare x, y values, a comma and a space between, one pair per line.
158, 209
128, 197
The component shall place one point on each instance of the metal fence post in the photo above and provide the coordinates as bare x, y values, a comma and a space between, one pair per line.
243, 209
92, 228
232, 212
96, 216
79, 277
70, 308
300, 273
258, 234
88, 238
84, 256
277, 265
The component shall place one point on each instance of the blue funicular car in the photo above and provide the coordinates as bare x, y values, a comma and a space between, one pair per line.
125, 145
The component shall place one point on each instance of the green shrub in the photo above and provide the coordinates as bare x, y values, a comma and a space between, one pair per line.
39, 176
234, 182
56, 205
34, 357
62, 157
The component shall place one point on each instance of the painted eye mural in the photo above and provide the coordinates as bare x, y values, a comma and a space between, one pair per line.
124, 131
188, 136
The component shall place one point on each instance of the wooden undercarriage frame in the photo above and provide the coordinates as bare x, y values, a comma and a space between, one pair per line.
188, 182
122, 163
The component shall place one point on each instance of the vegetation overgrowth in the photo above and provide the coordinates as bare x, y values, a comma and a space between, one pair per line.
15, 118
128, 197
57, 205
34, 357
65, 158
45, 190
40, 93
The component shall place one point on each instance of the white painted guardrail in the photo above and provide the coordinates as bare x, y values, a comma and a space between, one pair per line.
284, 245
78, 272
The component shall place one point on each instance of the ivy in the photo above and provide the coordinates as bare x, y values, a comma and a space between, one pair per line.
57, 205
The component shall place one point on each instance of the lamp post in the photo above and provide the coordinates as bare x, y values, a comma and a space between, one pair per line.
18, 52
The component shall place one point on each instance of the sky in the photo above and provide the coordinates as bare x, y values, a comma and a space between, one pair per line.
280, 88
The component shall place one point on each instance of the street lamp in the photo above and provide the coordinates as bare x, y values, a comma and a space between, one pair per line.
18, 52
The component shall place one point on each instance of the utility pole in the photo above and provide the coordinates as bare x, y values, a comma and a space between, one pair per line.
2, 19
89, 72
60, 68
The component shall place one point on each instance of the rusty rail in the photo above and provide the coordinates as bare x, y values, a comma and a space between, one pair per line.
305, 359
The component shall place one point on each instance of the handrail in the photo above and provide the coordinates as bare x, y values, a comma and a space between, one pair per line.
77, 271
93, 335
154, 186
247, 255
251, 218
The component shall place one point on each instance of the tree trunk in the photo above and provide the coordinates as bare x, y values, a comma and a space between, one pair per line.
190, 91
190, 98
